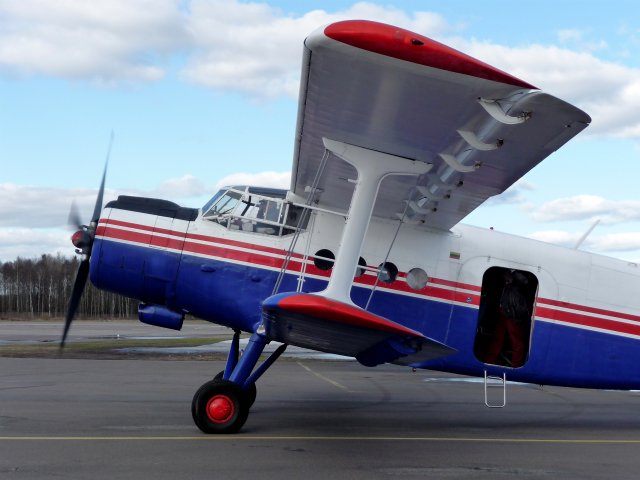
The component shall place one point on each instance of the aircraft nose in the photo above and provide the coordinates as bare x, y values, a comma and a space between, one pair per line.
80, 239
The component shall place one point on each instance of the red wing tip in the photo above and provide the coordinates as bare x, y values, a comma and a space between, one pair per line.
328, 309
405, 45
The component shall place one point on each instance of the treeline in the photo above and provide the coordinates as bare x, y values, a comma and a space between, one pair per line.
42, 287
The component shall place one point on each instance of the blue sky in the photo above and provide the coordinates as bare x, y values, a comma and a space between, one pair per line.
201, 93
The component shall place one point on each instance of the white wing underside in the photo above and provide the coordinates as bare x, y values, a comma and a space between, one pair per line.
480, 135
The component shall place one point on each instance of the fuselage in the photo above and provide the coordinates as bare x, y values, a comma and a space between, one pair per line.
585, 313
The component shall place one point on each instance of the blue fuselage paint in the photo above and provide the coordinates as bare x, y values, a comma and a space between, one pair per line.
231, 294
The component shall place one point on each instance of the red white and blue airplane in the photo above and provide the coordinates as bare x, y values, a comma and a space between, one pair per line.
398, 139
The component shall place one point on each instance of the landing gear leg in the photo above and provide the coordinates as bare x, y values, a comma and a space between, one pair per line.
222, 404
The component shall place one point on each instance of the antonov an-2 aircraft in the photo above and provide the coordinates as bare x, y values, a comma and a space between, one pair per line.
398, 138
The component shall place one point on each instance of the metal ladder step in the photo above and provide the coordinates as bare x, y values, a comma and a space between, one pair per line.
495, 382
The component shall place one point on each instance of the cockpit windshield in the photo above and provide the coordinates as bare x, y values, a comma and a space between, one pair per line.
259, 210
225, 205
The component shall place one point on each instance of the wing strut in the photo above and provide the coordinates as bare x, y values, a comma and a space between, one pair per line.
305, 213
329, 321
372, 167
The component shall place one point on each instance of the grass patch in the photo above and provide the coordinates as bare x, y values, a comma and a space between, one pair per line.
107, 348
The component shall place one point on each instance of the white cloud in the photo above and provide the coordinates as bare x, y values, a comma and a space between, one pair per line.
607, 91
32, 243
47, 207
613, 244
617, 242
584, 207
570, 35
514, 195
248, 47
576, 38
44, 207
556, 237
254, 48
263, 179
186, 186
100, 41
34, 220
227, 58
24, 206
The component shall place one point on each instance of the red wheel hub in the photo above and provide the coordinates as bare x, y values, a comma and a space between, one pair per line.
220, 409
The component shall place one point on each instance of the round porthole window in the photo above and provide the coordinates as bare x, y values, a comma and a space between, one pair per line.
362, 263
387, 272
323, 259
417, 278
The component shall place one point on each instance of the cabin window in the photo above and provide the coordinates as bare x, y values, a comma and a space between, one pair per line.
505, 316
417, 278
323, 259
360, 269
250, 209
262, 216
387, 272
295, 217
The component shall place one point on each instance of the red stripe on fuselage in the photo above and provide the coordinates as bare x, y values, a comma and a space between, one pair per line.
295, 266
366, 279
260, 256
586, 309
588, 321
142, 238
197, 236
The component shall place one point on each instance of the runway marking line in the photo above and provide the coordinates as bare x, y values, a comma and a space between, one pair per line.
326, 379
235, 438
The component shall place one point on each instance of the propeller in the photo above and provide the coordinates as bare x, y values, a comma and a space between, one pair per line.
83, 239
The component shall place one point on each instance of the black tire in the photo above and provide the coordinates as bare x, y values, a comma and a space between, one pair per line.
251, 393
219, 406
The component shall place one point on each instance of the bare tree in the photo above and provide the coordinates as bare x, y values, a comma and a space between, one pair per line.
41, 287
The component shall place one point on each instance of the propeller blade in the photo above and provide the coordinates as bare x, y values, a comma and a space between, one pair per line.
83, 240
76, 295
74, 219
98, 207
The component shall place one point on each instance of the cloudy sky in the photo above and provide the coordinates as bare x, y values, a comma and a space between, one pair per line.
201, 93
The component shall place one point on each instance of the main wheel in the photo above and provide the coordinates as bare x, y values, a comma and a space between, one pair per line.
251, 393
219, 406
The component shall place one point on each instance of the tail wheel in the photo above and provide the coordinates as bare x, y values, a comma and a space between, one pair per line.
219, 406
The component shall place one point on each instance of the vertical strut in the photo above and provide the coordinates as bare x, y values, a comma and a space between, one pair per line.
249, 358
372, 168
253, 378
232, 358
239, 370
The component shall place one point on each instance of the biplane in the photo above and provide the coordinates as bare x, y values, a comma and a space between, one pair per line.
398, 138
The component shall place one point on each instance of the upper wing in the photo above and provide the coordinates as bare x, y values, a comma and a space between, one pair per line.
390, 90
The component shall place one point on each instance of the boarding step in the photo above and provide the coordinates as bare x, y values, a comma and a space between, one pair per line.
495, 382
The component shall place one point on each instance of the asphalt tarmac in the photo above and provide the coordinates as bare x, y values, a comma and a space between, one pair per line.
112, 419
46, 331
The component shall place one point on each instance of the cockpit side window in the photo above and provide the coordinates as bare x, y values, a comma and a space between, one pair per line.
265, 209
250, 211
